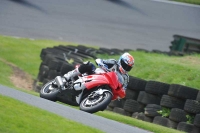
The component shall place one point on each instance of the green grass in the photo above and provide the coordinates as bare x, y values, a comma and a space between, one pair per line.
5, 72
169, 69
133, 122
25, 54
18, 117
197, 2
138, 123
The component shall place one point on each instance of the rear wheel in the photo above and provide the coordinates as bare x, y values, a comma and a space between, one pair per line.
96, 101
49, 92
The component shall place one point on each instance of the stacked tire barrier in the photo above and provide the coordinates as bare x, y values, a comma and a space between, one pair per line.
144, 99
59, 60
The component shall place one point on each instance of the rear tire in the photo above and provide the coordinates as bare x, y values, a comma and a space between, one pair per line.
172, 102
197, 120
186, 127
48, 94
178, 115
183, 92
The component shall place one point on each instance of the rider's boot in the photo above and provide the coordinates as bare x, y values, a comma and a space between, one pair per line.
67, 77
72, 74
79, 86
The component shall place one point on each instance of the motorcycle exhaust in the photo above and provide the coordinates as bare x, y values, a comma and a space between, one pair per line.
59, 82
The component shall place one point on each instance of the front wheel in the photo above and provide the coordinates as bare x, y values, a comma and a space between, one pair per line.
95, 102
49, 92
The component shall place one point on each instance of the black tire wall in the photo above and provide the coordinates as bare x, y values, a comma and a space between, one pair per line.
143, 98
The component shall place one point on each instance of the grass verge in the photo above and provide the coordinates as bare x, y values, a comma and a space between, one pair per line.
197, 2
137, 123
18, 117
25, 53
169, 69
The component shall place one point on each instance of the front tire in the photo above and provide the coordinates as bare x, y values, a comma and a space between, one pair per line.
96, 104
49, 93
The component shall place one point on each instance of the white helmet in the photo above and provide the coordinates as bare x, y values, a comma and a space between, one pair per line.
126, 62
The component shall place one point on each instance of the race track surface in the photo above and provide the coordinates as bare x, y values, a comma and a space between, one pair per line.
106, 125
148, 24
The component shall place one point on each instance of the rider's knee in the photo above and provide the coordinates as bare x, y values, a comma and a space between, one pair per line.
87, 68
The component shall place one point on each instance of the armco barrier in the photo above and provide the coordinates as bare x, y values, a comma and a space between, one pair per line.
144, 98
183, 44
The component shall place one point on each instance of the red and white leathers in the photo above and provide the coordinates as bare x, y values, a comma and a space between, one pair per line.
125, 63
112, 65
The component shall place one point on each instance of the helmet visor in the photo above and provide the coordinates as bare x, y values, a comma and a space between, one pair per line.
125, 66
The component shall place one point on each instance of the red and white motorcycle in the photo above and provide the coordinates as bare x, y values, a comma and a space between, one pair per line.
101, 88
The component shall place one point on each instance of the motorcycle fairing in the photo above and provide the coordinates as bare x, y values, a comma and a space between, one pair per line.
109, 78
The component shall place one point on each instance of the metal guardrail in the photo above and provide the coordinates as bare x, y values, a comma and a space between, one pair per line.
185, 44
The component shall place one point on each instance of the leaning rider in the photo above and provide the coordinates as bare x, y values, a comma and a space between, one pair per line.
123, 66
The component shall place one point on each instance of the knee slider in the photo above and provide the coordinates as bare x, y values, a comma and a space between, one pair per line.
86, 68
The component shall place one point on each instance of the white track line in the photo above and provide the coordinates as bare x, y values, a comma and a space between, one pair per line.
177, 3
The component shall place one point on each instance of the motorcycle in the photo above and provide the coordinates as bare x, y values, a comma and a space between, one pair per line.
101, 87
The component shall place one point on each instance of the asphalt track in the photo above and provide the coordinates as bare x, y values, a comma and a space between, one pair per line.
106, 125
148, 24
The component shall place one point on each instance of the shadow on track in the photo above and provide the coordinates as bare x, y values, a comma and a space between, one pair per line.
126, 5
28, 4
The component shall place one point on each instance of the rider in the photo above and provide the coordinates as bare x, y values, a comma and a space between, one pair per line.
123, 66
